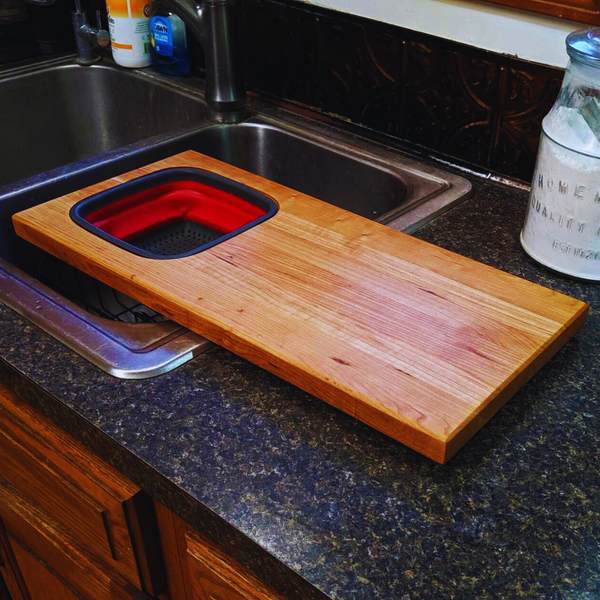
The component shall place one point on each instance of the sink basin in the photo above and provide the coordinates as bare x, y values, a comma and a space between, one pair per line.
102, 121
70, 126
360, 187
63, 113
353, 174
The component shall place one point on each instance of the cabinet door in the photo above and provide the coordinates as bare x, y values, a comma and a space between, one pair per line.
94, 507
47, 563
41, 583
44, 584
27, 524
11, 581
198, 570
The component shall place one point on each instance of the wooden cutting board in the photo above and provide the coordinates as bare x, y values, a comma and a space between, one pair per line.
418, 342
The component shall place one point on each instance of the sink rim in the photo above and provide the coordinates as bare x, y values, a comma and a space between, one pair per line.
417, 211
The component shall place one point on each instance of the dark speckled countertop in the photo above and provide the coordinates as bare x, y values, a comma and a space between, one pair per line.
318, 504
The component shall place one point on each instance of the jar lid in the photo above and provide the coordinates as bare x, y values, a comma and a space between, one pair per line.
584, 45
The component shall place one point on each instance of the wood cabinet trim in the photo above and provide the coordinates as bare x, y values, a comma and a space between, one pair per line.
210, 566
29, 472
43, 582
172, 539
28, 524
126, 591
65, 452
86, 576
585, 11
37, 569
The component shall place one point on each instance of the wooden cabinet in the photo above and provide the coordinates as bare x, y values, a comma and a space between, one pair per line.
215, 576
50, 545
92, 505
73, 528
42, 583
586, 11
198, 570
33, 579
76, 516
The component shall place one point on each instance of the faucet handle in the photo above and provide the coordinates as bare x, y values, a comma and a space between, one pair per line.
102, 36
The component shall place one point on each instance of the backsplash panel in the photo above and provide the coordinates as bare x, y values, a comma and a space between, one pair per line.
448, 100
356, 78
282, 51
476, 107
527, 92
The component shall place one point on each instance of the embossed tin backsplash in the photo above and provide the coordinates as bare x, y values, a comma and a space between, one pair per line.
479, 107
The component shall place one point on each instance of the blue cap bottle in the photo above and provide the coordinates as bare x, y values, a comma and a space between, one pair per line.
168, 42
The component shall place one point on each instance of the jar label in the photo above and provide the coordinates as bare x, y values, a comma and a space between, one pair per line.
562, 226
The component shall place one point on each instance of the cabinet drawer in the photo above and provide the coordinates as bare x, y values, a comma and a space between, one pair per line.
215, 576
93, 506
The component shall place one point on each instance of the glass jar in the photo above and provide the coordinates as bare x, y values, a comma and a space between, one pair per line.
562, 225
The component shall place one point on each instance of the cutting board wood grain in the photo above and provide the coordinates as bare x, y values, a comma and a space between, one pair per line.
418, 342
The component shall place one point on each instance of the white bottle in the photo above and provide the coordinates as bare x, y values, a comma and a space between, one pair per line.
128, 23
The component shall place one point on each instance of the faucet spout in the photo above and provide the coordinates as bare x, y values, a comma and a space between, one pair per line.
212, 22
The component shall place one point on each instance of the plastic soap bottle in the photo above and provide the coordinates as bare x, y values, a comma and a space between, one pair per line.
168, 42
128, 23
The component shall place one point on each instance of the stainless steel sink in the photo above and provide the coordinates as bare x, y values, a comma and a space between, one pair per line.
65, 127
112, 330
63, 113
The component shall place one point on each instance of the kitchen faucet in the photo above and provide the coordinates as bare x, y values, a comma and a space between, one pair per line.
212, 22
86, 37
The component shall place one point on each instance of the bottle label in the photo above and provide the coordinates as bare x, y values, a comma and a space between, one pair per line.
161, 36
129, 32
130, 35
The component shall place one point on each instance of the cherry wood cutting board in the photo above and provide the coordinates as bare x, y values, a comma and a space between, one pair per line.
418, 342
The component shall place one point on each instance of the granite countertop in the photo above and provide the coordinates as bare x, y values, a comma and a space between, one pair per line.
320, 505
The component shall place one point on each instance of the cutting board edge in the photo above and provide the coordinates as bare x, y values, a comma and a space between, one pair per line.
470, 427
